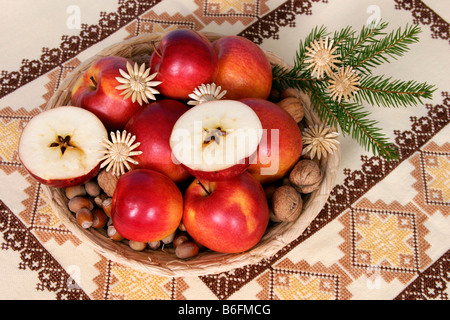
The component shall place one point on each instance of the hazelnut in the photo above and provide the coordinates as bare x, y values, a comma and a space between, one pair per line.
98, 200
113, 234
78, 202
84, 217
287, 204
169, 238
99, 218
187, 249
181, 227
107, 206
154, 245
294, 107
74, 191
92, 188
136, 245
306, 176
107, 182
180, 238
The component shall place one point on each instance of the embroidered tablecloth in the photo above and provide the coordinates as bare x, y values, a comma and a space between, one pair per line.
385, 230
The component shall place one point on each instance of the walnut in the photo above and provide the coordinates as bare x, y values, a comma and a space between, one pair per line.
306, 176
294, 107
107, 182
287, 204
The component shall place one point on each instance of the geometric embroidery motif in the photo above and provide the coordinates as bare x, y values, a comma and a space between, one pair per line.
436, 170
221, 7
291, 286
383, 240
135, 285
302, 281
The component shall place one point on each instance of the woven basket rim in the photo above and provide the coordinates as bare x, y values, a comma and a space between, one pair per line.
164, 262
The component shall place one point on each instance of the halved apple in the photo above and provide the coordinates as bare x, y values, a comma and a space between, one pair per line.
60, 147
215, 140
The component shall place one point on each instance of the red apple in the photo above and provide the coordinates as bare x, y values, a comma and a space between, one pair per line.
244, 69
184, 59
227, 216
146, 206
60, 147
96, 91
152, 126
214, 140
281, 144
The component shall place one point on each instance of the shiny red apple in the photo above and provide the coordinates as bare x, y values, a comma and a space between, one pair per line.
281, 144
244, 69
227, 216
152, 126
146, 206
184, 59
96, 91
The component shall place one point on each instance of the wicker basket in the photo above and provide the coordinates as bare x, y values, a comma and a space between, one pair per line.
164, 262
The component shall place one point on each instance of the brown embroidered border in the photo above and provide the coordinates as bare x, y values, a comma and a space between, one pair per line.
269, 25
431, 283
52, 276
426, 16
127, 11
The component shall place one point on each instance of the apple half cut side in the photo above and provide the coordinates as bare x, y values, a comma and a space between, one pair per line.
215, 140
60, 147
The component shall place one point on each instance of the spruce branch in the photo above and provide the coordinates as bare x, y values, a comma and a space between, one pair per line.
382, 91
355, 55
350, 48
394, 45
356, 121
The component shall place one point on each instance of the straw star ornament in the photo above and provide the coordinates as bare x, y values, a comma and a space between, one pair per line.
206, 92
119, 152
319, 140
343, 84
321, 57
137, 83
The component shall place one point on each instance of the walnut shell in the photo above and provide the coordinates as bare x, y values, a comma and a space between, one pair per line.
287, 204
306, 176
294, 107
107, 182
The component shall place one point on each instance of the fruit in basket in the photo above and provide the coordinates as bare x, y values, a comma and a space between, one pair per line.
184, 59
152, 126
147, 206
60, 147
227, 216
281, 144
214, 140
244, 70
96, 91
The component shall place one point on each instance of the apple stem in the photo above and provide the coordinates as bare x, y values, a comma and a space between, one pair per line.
203, 187
93, 81
156, 50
